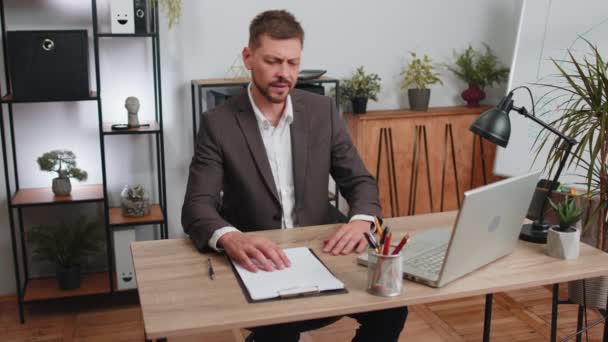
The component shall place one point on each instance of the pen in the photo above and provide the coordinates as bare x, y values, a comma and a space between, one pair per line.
371, 241
211, 271
383, 237
378, 226
387, 243
401, 244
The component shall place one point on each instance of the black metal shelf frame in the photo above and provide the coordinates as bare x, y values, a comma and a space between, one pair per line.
10, 156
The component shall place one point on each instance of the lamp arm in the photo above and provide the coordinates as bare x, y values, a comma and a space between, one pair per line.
524, 112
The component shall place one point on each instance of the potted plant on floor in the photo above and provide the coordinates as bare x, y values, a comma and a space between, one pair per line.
64, 245
563, 240
64, 163
421, 73
360, 88
581, 92
478, 70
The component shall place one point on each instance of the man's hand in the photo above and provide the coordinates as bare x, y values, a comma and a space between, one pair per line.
244, 249
348, 238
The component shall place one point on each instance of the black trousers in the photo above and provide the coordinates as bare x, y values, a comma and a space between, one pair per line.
375, 326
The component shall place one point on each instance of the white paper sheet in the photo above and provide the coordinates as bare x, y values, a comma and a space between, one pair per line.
306, 272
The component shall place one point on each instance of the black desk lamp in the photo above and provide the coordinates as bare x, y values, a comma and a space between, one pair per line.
495, 126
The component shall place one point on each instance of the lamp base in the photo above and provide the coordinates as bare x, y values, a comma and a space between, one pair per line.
534, 232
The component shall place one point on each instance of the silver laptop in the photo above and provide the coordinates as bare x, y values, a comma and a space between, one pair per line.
487, 227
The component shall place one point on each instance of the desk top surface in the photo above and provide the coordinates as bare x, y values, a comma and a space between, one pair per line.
178, 298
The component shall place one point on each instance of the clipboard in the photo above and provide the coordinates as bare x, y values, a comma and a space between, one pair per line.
290, 292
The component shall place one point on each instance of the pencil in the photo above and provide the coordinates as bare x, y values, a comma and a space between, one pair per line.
387, 243
401, 244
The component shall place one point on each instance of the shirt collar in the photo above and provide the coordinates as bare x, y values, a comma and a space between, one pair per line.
261, 119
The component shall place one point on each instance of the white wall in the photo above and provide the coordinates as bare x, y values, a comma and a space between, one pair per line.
340, 35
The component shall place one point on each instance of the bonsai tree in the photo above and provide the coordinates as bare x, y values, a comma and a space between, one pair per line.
421, 73
567, 213
479, 70
63, 162
359, 88
64, 245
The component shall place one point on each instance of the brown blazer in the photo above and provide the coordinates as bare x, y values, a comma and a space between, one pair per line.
230, 156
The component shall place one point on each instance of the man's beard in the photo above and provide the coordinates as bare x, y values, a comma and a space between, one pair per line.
264, 90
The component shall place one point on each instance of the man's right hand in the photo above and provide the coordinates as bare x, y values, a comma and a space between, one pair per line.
244, 248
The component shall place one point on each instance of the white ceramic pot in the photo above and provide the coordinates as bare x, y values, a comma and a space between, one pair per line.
564, 245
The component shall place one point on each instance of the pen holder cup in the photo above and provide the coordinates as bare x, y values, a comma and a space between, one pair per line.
384, 274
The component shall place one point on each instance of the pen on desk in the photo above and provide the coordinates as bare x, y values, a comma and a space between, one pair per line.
387, 243
211, 271
401, 244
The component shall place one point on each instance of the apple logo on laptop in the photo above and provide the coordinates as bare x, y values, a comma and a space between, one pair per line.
494, 224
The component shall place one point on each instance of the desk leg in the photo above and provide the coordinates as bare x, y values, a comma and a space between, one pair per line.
487, 321
554, 301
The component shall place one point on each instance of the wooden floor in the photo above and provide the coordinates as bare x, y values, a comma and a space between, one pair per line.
517, 316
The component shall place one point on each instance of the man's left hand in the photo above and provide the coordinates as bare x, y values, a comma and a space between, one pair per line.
348, 238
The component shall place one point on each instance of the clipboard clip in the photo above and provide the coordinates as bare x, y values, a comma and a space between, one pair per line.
298, 291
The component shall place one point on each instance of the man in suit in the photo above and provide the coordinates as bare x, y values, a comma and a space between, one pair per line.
271, 151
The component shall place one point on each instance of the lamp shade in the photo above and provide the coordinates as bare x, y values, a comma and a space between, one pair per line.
493, 125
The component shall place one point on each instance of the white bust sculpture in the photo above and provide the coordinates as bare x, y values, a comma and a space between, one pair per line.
132, 106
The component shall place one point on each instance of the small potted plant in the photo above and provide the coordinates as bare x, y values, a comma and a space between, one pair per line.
64, 245
563, 240
421, 73
478, 70
64, 163
134, 201
360, 88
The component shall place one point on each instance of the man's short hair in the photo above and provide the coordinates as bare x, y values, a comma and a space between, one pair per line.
278, 24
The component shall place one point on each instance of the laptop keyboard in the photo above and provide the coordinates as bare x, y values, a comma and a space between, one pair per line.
430, 261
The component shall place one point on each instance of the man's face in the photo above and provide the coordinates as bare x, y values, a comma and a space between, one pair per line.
274, 66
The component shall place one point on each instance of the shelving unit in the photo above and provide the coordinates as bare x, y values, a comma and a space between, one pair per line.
98, 283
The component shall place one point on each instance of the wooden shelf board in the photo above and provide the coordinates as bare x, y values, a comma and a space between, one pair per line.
47, 288
39, 196
153, 128
155, 216
8, 98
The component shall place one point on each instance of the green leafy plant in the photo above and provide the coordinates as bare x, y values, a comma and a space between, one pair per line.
66, 243
172, 8
581, 92
63, 162
479, 69
419, 72
567, 213
360, 85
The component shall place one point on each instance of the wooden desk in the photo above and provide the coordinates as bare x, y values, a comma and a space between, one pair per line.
178, 298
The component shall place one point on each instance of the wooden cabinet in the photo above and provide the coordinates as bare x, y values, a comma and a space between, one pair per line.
432, 170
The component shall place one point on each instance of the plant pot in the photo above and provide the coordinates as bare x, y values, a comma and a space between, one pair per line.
62, 186
135, 208
563, 245
419, 99
359, 105
473, 95
595, 292
68, 278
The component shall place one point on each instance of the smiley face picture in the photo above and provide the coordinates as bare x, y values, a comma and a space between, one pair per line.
121, 14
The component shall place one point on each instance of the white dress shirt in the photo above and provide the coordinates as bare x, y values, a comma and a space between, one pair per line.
277, 142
